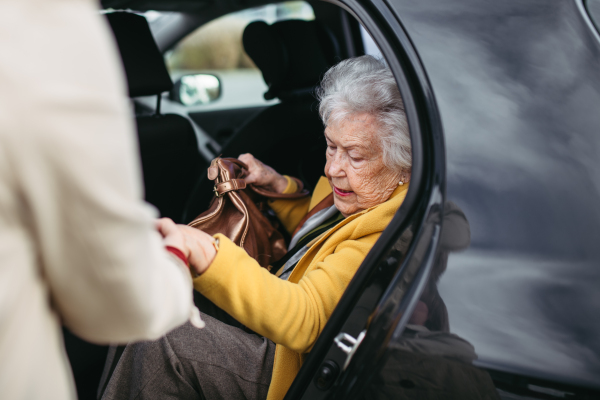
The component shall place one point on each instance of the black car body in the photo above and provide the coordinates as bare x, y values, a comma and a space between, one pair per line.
501, 226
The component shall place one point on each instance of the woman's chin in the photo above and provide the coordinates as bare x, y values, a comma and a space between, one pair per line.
343, 206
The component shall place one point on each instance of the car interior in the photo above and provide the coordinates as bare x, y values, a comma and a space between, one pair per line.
211, 78
284, 131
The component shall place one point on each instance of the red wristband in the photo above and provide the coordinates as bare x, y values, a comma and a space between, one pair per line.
175, 251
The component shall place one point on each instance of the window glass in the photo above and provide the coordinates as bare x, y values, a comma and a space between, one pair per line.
369, 44
217, 45
152, 16
216, 48
593, 7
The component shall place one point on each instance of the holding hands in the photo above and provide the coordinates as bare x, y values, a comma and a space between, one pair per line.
202, 247
198, 247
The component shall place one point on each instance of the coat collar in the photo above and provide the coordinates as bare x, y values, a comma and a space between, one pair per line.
375, 220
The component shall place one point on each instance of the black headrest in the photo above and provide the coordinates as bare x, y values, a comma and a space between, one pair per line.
292, 55
144, 65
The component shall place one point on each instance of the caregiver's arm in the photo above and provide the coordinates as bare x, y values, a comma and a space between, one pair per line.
76, 168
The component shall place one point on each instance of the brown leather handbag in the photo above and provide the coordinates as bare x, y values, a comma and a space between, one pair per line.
237, 211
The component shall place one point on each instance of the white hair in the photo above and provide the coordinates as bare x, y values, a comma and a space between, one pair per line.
366, 85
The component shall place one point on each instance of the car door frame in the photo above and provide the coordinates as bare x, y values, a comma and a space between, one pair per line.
406, 248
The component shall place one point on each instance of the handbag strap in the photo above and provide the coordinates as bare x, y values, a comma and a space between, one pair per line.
233, 184
238, 184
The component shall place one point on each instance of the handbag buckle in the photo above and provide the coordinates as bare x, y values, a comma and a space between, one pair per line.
216, 191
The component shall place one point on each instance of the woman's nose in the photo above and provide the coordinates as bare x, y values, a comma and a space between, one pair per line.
335, 165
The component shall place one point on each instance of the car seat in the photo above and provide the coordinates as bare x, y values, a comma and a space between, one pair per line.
292, 55
171, 161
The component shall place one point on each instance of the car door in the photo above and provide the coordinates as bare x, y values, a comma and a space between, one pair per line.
385, 291
506, 264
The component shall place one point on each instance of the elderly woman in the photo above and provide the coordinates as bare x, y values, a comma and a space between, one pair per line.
367, 174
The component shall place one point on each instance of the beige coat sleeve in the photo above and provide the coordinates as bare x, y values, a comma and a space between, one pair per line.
71, 148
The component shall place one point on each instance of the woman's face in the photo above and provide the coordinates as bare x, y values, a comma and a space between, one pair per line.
355, 167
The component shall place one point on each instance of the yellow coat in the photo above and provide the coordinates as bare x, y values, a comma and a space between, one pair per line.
293, 313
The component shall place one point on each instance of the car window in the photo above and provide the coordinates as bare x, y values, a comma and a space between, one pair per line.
216, 47
369, 44
593, 9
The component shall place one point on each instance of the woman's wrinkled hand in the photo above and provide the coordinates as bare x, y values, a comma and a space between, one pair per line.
201, 249
262, 175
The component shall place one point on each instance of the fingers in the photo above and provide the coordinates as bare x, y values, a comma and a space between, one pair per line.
197, 234
249, 160
165, 226
252, 163
250, 178
194, 243
255, 167
172, 235
246, 158
262, 175
200, 244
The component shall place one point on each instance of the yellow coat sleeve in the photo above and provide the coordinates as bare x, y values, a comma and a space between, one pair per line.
290, 212
290, 314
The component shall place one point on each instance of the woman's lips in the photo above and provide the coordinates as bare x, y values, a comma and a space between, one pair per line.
341, 192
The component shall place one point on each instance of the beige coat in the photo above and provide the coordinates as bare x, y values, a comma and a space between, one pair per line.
77, 244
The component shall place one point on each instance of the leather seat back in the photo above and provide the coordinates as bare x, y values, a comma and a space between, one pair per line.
171, 161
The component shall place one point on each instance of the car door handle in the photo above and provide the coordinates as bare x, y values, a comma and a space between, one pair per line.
341, 341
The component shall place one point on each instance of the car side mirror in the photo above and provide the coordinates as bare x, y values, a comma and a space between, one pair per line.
196, 89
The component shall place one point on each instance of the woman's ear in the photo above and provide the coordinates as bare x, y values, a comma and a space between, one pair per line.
405, 176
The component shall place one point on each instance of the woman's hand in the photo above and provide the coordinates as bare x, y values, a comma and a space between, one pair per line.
262, 175
200, 246
172, 236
